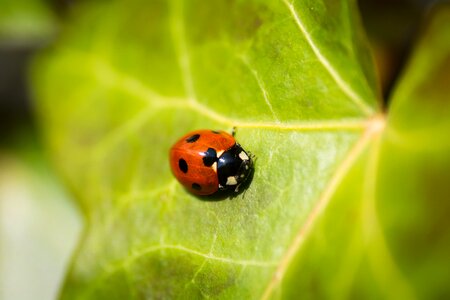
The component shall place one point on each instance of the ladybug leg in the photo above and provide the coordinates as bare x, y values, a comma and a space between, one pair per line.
252, 156
244, 193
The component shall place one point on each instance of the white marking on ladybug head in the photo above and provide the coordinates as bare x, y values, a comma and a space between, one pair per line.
219, 153
243, 155
231, 180
214, 166
246, 167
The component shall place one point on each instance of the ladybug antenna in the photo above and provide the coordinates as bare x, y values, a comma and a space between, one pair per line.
233, 131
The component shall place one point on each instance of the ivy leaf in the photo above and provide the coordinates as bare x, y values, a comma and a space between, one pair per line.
296, 79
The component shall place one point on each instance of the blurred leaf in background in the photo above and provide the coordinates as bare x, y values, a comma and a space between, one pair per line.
25, 22
25, 26
39, 223
346, 201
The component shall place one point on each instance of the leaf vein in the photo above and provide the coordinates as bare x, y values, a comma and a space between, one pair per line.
326, 63
209, 256
261, 86
376, 125
180, 43
133, 86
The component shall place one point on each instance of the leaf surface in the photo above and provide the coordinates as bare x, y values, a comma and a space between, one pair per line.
383, 233
127, 79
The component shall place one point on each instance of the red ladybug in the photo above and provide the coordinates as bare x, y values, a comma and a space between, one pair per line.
206, 161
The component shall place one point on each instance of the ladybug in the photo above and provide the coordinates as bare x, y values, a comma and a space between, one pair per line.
207, 161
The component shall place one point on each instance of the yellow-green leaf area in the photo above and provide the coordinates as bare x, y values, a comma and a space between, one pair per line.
384, 233
128, 78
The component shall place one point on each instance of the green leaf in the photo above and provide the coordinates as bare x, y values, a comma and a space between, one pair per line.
296, 80
25, 22
384, 232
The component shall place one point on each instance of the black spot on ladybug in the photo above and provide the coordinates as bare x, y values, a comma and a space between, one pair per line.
193, 138
183, 165
214, 131
196, 186
210, 157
